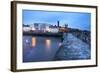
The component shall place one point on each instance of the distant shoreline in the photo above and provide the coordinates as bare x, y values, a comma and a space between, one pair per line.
43, 34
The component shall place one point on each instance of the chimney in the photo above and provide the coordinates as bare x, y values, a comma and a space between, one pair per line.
58, 23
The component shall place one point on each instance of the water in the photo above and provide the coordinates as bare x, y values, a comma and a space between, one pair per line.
37, 48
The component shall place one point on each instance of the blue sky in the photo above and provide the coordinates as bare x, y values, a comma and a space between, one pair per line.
73, 19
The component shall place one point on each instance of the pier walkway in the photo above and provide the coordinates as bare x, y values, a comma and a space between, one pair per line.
73, 48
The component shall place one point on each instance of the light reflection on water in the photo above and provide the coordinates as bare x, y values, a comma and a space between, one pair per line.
48, 43
33, 41
39, 48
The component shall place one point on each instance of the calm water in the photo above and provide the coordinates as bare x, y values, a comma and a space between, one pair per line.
37, 48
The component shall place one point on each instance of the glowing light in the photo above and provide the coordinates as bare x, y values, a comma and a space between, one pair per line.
33, 41
33, 28
48, 43
26, 41
60, 44
48, 29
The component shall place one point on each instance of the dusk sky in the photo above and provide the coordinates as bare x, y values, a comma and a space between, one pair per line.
73, 19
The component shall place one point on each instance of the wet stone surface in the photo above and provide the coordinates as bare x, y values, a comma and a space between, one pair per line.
73, 48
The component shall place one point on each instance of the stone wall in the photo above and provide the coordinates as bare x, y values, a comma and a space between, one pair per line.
85, 36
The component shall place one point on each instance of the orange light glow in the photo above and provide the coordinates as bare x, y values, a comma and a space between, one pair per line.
48, 43
33, 41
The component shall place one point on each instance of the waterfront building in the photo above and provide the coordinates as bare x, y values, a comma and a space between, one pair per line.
54, 29
39, 27
43, 27
36, 26
32, 27
26, 28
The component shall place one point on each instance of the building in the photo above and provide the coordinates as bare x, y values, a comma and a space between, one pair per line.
43, 27
64, 29
53, 28
26, 28
36, 26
